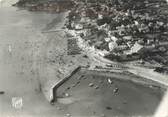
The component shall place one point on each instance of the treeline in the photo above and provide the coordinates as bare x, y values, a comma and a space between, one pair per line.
46, 5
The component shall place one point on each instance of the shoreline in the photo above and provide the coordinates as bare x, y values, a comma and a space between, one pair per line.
96, 56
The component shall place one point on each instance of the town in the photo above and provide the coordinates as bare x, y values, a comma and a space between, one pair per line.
126, 30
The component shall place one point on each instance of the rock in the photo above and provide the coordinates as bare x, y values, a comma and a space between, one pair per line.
68, 115
78, 82
110, 81
108, 108
116, 90
82, 76
10, 48
151, 86
96, 87
67, 95
85, 56
68, 88
91, 85
2, 92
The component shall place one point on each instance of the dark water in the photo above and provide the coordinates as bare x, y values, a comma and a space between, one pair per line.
119, 98
18, 77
